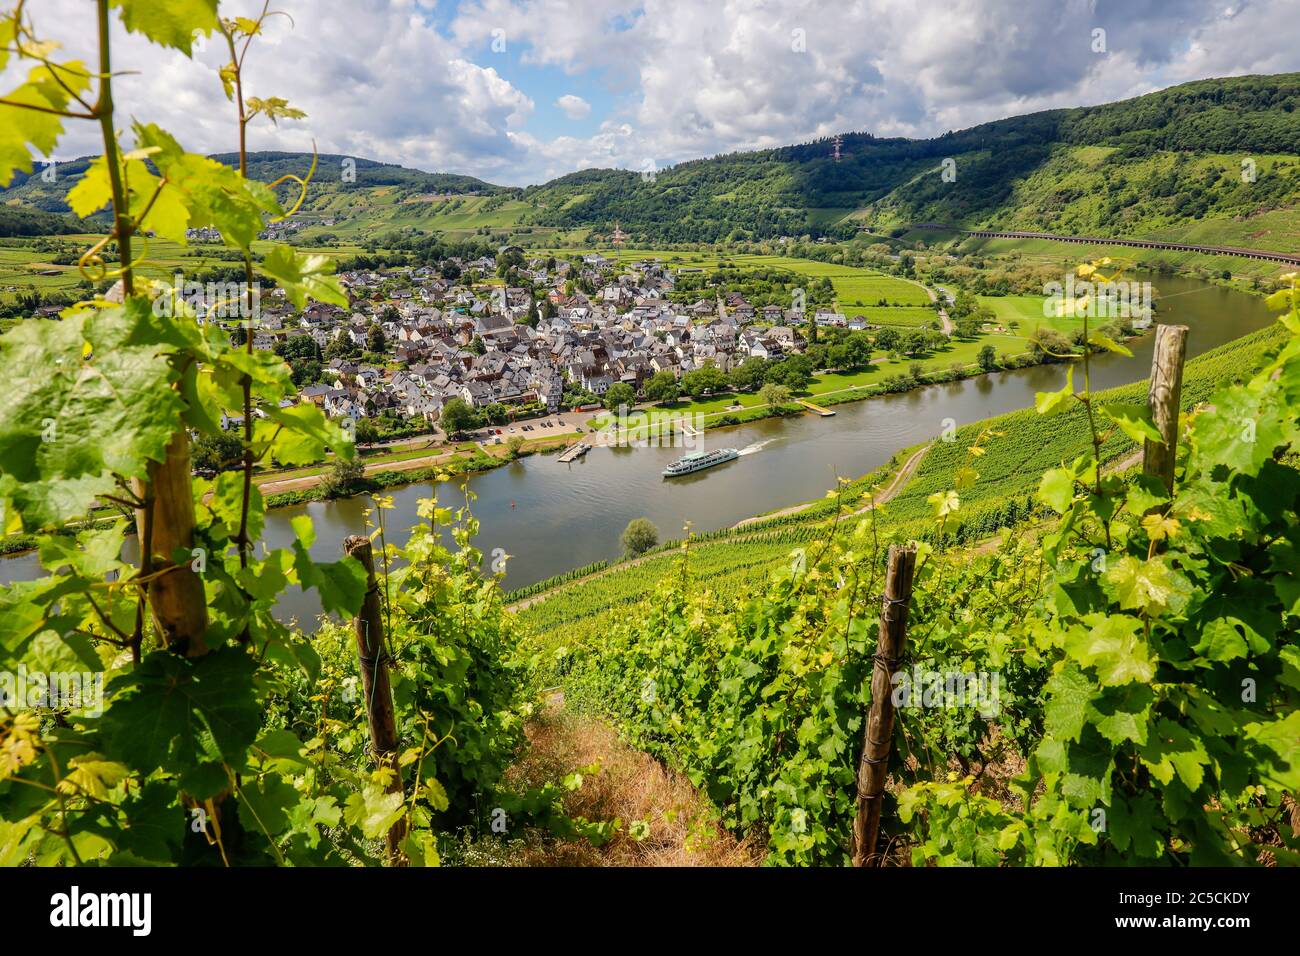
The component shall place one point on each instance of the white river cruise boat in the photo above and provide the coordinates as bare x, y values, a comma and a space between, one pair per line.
698, 461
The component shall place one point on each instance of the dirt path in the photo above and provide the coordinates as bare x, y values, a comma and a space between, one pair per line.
629, 785
896, 484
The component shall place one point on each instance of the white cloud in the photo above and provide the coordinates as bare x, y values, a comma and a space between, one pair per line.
574, 107
374, 78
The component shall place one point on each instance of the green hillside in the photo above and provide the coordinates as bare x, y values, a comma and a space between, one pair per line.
1169, 163
349, 196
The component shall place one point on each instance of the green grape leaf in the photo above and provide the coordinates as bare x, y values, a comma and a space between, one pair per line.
1146, 492
1057, 489
27, 132
170, 23
341, 585
1115, 647
1240, 429
1049, 402
265, 802
1134, 421
373, 811
304, 276
1068, 692
173, 713
1173, 751
58, 404
1280, 739
1109, 344
1151, 586
305, 434
274, 108
213, 193
1136, 825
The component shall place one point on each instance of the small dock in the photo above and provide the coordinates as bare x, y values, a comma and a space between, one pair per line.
574, 452
817, 409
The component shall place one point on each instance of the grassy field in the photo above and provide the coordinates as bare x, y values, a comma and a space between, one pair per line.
858, 292
23, 268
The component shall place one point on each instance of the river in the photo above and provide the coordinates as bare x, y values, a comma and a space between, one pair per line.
550, 517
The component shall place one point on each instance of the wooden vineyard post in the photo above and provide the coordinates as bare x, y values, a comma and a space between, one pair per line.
375, 685
879, 733
1164, 397
176, 596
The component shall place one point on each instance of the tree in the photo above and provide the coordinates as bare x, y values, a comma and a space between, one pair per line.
515, 444
375, 341
988, 358
345, 477
457, 418
496, 414
704, 380
748, 375
887, 340
790, 372
367, 432
476, 346
774, 395
620, 393
217, 452
341, 346
662, 387
639, 536
1046, 342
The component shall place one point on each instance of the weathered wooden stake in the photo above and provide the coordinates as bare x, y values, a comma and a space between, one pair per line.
1164, 397
375, 685
879, 733
176, 597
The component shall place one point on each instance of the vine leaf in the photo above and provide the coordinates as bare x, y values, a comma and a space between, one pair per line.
1057, 489
178, 712
1114, 648
304, 276
340, 584
1049, 402
171, 23
1134, 421
1068, 692
24, 132
58, 405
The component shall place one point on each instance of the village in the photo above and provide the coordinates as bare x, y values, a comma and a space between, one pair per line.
510, 352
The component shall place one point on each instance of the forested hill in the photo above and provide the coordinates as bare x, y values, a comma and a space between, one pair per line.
361, 178
1210, 161
1167, 158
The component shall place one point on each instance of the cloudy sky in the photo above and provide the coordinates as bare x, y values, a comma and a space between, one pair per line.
520, 91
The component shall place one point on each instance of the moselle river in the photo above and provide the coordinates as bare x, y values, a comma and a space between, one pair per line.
551, 517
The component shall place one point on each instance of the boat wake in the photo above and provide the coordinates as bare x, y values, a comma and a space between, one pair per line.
757, 446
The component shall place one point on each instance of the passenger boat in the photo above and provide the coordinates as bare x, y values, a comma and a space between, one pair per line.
699, 460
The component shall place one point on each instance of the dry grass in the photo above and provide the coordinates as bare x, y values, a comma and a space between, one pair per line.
629, 785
